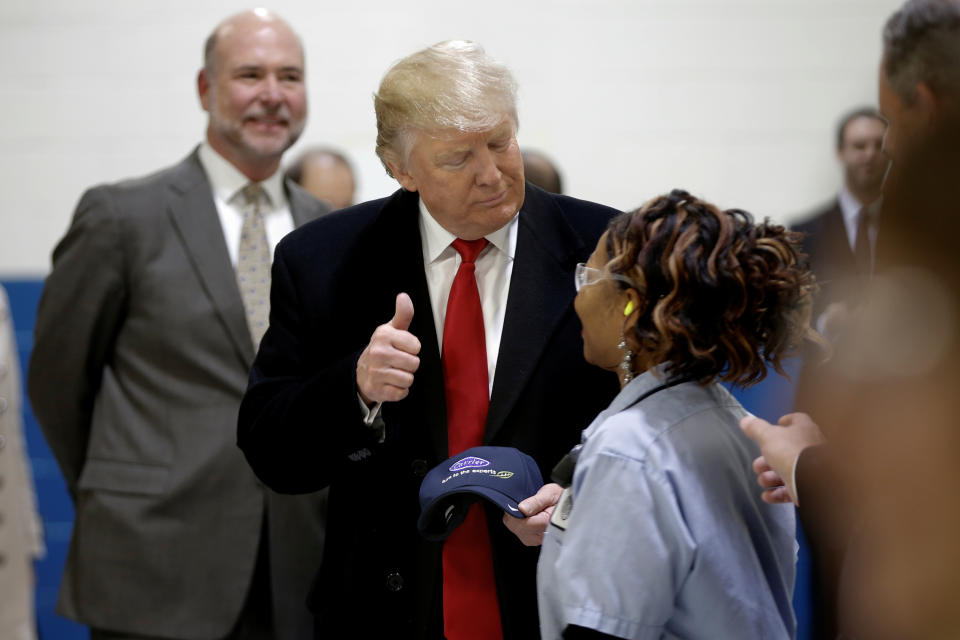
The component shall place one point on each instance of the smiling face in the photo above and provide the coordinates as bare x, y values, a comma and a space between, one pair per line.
472, 183
600, 307
254, 93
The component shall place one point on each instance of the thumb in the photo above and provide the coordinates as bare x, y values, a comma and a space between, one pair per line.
404, 313
547, 496
754, 427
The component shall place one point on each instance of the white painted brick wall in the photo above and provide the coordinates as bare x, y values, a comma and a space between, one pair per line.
735, 100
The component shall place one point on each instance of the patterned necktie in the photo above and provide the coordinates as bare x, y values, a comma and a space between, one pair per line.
470, 608
253, 262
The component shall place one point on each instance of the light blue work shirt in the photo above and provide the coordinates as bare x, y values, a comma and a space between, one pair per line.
665, 534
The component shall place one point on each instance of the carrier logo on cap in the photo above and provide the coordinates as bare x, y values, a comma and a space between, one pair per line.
470, 462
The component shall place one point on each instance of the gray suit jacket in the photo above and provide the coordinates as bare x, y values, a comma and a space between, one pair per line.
141, 356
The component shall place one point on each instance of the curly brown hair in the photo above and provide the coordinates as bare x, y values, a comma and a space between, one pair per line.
721, 296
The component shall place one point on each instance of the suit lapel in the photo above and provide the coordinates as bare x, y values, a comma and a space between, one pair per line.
541, 292
303, 207
838, 232
194, 216
395, 240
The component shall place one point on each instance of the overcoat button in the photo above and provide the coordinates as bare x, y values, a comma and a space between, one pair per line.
394, 581
419, 467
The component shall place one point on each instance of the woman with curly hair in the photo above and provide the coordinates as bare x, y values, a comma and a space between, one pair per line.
661, 531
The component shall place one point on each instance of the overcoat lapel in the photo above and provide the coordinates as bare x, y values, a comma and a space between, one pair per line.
541, 293
194, 216
399, 250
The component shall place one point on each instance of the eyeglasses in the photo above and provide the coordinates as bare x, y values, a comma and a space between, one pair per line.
584, 276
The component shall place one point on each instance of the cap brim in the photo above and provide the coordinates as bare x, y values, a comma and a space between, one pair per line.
432, 524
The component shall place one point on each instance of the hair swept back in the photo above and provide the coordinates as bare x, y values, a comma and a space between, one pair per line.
921, 43
856, 114
451, 85
721, 297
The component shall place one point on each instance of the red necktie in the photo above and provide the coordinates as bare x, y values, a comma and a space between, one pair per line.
470, 609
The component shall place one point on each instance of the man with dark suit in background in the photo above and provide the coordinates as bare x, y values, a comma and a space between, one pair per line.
840, 238
408, 329
145, 334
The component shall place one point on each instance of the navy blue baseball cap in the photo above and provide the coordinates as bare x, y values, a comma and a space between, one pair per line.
503, 475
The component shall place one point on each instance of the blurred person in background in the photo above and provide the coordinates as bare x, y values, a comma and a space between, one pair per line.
541, 171
21, 532
145, 333
326, 174
880, 489
841, 237
661, 531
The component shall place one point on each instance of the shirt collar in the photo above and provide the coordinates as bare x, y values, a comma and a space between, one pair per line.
849, 205
641, 384
227, 180
436, 239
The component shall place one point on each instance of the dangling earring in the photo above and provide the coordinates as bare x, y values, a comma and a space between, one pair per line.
626, 363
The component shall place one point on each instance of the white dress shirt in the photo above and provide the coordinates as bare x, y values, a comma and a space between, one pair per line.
227, 182
494, 266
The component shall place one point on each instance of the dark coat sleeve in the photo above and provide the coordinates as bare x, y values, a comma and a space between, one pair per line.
301, 415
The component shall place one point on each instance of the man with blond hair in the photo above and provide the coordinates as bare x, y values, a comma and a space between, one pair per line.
408, 329
145, 335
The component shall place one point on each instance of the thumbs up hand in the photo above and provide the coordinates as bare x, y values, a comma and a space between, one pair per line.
386, 366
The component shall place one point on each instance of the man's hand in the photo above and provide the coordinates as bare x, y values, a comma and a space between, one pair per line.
780, 445
774, 488
538, 508
386, 367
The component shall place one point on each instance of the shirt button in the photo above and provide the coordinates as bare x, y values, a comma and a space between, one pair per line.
419, 467
394, 582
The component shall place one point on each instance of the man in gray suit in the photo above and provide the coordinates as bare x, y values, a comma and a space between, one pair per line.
145, 334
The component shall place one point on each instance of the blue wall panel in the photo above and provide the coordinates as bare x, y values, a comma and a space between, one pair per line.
769, 400
54, 503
